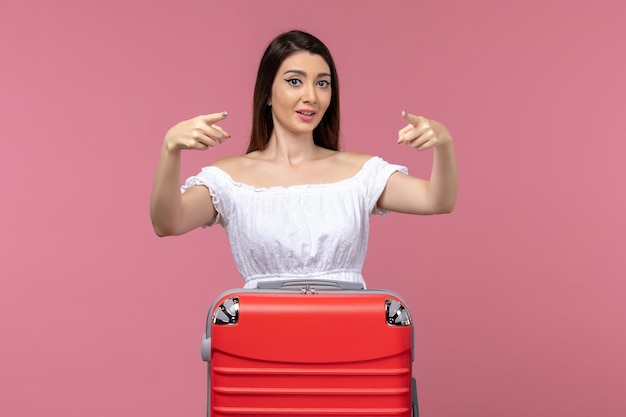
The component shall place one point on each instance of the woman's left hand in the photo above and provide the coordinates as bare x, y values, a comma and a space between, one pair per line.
422, 133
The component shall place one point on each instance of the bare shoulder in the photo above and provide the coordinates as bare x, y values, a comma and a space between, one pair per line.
232, 165
242, 168
353, 158
347, 164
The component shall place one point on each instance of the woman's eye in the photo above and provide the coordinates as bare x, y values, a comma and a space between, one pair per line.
323, 83
293, 82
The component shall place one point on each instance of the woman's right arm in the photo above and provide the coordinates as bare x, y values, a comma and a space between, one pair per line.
171, 212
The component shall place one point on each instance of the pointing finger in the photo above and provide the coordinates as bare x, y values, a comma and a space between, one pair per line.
413, 119
214, 117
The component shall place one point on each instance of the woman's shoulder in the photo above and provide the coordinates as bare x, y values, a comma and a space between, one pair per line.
232, 165
355, 159
240, 168
362, 162
347, 164
228, 162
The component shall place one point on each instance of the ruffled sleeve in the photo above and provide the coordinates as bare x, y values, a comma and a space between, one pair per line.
377, 172
217, 182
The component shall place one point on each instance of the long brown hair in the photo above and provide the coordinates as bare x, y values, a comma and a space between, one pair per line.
326, 134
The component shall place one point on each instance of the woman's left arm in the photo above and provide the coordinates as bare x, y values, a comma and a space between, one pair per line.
408, 194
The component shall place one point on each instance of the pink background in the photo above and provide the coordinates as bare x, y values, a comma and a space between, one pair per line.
518, 296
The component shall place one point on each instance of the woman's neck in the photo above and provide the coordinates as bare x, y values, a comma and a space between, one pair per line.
290, 148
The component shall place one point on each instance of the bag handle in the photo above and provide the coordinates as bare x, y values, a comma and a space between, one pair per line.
309, 285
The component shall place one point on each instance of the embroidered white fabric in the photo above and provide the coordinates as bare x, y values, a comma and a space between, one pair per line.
316, 231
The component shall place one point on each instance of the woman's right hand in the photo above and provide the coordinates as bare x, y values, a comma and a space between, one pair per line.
199, 133
172, 214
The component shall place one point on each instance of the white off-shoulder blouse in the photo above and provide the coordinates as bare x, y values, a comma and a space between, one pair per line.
315, 231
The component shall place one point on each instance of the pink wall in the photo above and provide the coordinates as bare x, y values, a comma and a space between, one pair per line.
518, 296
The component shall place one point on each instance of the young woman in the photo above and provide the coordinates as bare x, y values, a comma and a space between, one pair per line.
295, 206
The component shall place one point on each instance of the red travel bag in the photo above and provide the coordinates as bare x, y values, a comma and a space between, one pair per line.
309, 348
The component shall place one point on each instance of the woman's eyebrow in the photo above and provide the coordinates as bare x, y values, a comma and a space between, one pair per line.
302, 73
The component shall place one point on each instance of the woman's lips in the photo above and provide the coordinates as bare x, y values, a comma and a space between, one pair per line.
306, 115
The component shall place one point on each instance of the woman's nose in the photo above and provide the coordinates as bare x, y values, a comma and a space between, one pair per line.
308, 94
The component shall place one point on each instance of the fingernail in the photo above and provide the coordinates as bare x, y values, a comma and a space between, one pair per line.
224, 114
404, 113
399, 141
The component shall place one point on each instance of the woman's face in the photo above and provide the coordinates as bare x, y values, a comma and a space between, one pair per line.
301, 93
